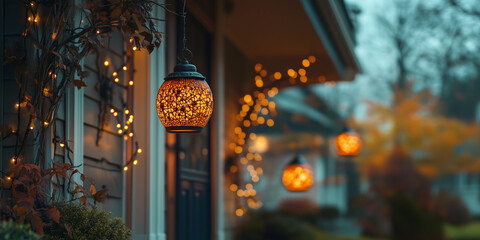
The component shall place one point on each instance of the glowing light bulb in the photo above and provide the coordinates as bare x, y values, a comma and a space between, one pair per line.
114, 74
139, 150
61, 144
277, 75
135, 162
116, 80
125, 168
124, 68
120, 131
126, 111
239, 212
130, 134
306, 63
106, 63
115, 114
125, 127
45, 123
9, 178
119, 125
130, 83
112, 110
134, 48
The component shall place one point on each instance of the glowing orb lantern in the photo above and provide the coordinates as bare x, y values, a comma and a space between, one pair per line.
184, 101
348, 143
297, 175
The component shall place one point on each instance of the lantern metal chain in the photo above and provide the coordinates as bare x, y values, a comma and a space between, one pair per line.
184, 19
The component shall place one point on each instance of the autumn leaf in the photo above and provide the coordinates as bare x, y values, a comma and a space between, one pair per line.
83, 199
92, 189
54, 214
79, 84
100, 196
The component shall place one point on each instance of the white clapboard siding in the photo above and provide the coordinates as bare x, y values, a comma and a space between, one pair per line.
103, 162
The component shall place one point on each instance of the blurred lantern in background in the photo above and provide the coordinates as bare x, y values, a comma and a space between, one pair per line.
348, 143
184, 101
297, 175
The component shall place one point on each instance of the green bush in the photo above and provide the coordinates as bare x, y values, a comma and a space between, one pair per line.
411, 221
14, 231
80, 222
273, 226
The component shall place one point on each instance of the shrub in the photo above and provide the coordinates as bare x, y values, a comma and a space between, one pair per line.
15, 231
411, 221
452, 208
273, 226
80, 222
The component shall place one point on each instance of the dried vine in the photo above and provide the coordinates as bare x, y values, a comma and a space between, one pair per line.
58, 35
47, 61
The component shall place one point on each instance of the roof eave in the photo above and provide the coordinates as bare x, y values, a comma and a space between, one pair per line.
333, 26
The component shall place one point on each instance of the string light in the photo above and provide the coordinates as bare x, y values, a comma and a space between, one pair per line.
139, 150
252, 105
135, 162
130, 83
106, 63
114, 74
61, 144
117, 80
124, 68
125, 168
126, 111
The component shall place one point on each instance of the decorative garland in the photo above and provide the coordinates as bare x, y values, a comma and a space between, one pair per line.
258, 109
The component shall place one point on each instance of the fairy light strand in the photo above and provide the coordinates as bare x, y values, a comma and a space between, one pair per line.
257, 109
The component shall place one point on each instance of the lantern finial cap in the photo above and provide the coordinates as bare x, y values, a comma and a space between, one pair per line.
185, 70
297, 160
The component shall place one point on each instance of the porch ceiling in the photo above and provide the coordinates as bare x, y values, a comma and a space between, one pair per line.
278, 34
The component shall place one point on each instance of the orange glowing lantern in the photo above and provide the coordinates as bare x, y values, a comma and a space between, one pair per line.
184, 101
348, 143
297, 175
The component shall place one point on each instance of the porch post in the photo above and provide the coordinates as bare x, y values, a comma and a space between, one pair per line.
218, 85
148, 181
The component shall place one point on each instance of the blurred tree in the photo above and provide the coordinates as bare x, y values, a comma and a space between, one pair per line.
438, 145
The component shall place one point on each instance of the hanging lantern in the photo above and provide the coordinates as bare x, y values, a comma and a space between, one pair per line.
297, 175
184, 101
348, 143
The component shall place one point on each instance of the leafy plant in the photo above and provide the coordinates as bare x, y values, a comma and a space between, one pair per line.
411, 221
273, 225
15, 231
81, 222
31, 196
